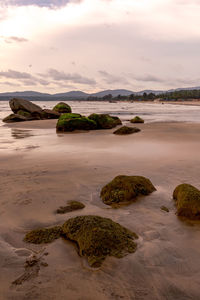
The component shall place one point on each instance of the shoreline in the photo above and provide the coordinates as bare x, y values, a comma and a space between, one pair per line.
35, 182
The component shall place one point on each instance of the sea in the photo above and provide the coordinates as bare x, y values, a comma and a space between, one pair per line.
150, 112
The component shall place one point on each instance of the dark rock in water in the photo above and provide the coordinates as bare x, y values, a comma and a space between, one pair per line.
99, 237
45, 235
72, 205
126, 130
62, 107
105, 121
164, 208
82, 123
14, 118
50, 114
187, 199
17, 104
124, 189
137, 120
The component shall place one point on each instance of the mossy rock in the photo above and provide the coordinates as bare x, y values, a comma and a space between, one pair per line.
98, 237
62, 107
137, 120
72, 205
124, 189
82, 123
187, 199
25, 114
105, 121
69, 116
126, 130
43, 235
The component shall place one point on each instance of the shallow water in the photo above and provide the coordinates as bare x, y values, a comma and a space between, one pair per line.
44, 170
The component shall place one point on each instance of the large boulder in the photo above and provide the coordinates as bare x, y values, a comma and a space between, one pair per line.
105, 121
62, 107
17, 104
99, 237
25, 110
187, 199
124, 189
71, 124
124, 130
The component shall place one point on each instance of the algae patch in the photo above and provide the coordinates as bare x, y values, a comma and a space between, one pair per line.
43, 235
187, 199
72, 205
124, 189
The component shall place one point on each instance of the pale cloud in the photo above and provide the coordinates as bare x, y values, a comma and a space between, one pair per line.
150, 43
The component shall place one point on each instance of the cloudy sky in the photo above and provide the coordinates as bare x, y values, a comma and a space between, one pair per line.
90, 45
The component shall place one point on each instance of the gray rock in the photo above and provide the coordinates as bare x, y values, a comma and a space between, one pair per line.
25, 105
14, 118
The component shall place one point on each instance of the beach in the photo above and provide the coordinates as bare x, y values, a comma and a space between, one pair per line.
48, 169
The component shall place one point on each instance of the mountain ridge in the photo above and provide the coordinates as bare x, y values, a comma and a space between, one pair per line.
83, 95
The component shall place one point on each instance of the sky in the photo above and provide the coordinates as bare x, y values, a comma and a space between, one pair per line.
91, 45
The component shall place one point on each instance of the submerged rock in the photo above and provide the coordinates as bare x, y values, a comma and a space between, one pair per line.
62, 107
105, 121
43, 235
95, 237
72, 205
187, 199
126, 130
164, 208
82, 123
124, 189
98, 237
137, 120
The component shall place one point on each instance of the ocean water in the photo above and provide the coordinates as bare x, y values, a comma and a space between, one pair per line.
14, 139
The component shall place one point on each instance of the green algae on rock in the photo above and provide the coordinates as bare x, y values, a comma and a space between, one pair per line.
126, 130
187, 199
72, 205
62, 107
105, 121
43, 235
137, 120
81, 123
124, 189
98, 237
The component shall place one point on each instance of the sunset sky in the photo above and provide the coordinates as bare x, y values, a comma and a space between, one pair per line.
91, 45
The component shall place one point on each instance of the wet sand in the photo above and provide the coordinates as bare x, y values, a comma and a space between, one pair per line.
36, 181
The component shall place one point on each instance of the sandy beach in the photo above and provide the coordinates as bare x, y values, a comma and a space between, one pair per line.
46, 170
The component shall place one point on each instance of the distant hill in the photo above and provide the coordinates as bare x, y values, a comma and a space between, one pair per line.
77, 95
114, 93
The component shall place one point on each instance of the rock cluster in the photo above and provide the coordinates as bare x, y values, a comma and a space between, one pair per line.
24, 110
96, 237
